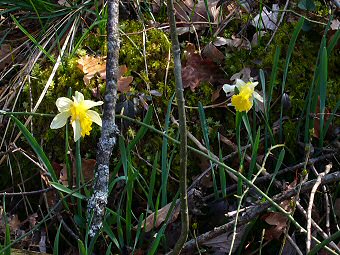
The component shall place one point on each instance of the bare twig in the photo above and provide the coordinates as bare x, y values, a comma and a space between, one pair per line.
317, 227
296, 247
310, 206
97, 202
258, 209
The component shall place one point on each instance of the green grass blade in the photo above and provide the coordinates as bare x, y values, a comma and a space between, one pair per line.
277, 167
223, 179
56, 241
255, 148
152, 182
49, 56
247, 125
323, 90
64, 189
36, 147
78, 177
333, 42
140, 134
81, 247
205, 131
111, 235
108, 250
155, 243
165, 172
289, 54
139, 229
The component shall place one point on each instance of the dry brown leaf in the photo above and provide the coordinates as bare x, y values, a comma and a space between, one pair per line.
90, 66
197, 69
210, 51
88, 166
150, 222
278, 222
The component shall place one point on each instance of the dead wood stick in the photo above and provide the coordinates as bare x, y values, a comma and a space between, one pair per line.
258, 209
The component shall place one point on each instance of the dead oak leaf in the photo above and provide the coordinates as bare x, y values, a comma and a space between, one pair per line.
197, 69
91, 66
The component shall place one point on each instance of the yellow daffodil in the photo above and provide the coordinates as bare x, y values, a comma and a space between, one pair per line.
78, 110
243, 101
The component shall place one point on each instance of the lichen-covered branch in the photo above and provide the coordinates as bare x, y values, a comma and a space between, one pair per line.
182, 130
97, 202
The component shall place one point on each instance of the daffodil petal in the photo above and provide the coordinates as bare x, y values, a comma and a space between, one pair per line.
228, 88
257, 96
59, 120
78, 97
63, 104
240, 83
76, 130
89, 104
94, 116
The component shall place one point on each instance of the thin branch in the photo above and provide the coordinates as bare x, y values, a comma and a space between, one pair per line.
310, 206
182, 130
97, 202
257, 210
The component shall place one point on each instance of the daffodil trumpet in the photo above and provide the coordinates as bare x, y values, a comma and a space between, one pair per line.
79, 111
245, 94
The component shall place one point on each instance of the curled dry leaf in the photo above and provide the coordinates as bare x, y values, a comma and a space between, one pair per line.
150, 222
91, 66
278, 221
234, 42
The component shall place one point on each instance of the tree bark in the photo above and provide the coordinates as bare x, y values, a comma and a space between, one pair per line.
97, 202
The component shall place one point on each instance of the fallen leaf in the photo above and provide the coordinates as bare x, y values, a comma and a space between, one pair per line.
91, 66
244, 75
234, 42
150, 221
210, 51
267, 18
335, 24
197, 69
278, 222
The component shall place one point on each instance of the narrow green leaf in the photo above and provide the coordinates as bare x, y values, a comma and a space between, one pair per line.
50, 57
56, 241
36, 147
205, 131
81, 247
62, 188
277, 167
289, 54
165, 172
323, 90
